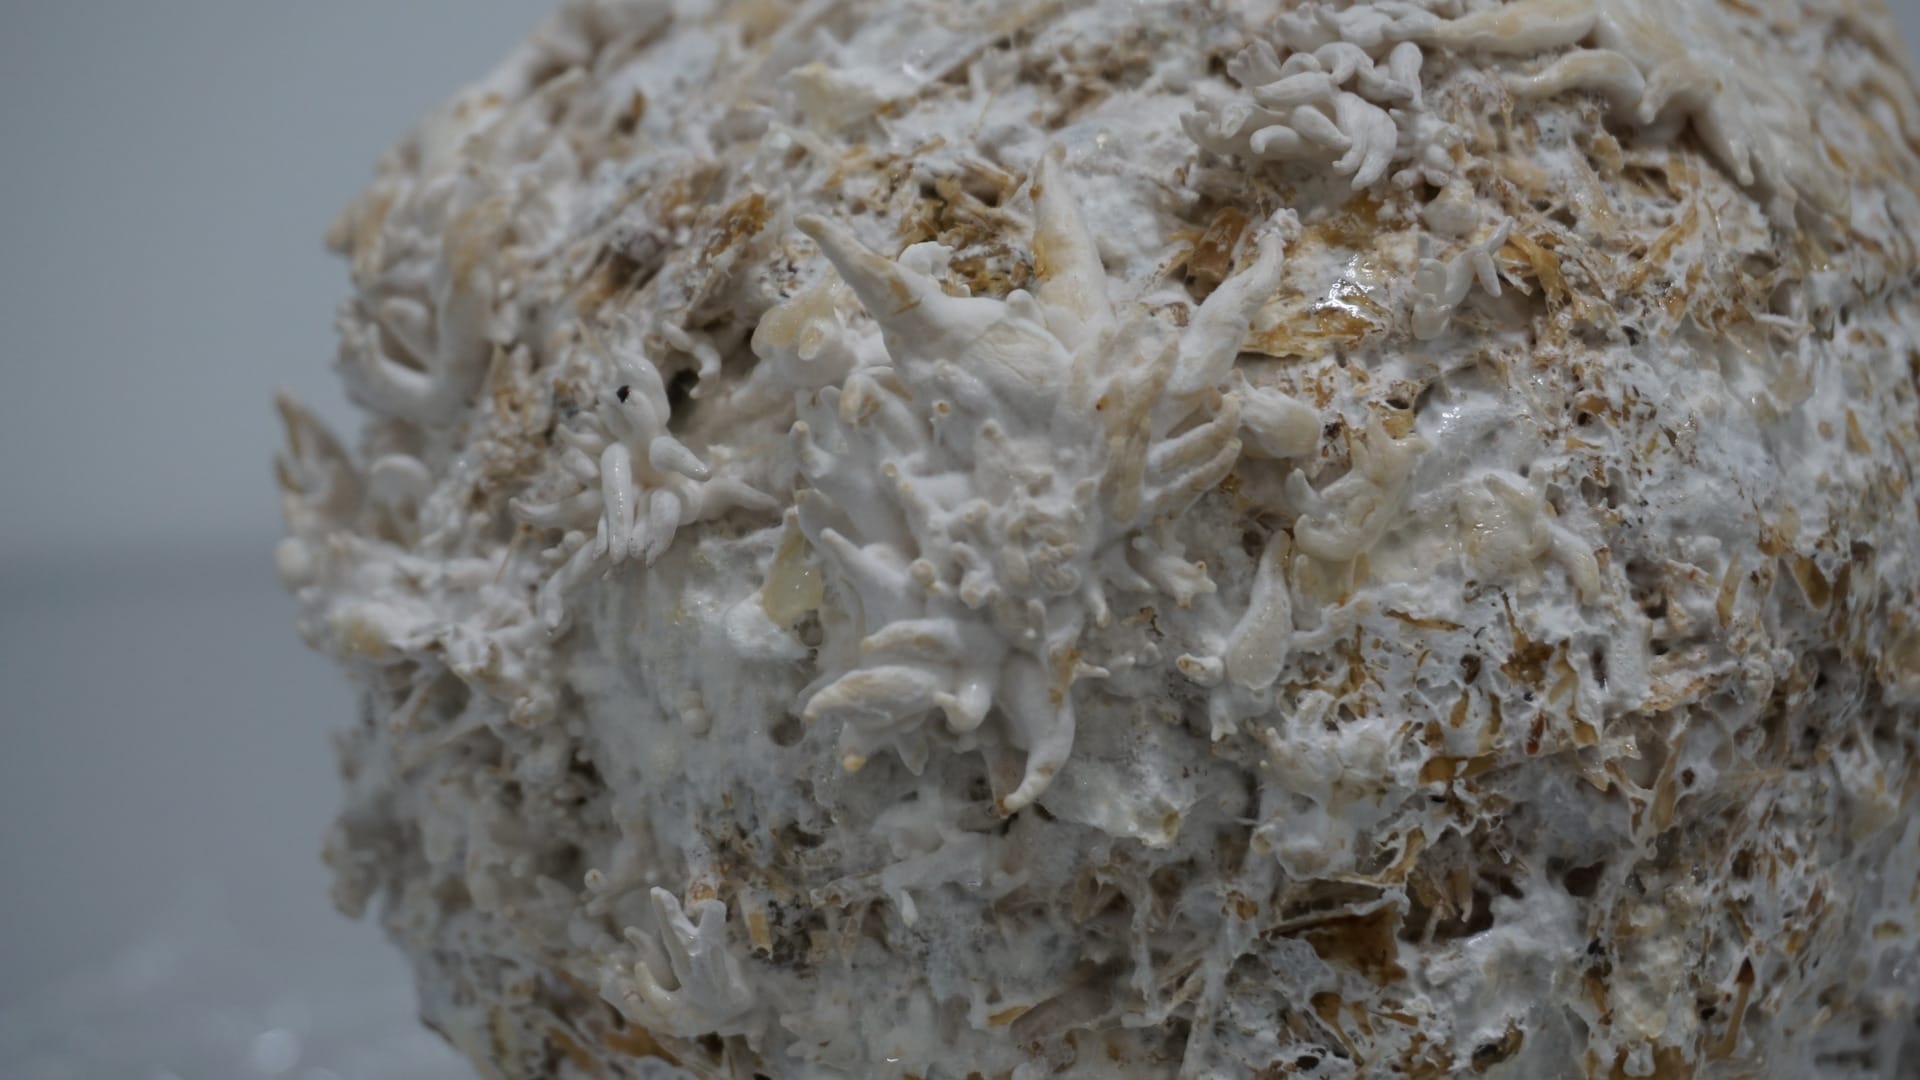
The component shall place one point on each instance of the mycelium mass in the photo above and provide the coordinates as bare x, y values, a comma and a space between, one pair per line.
1115, 538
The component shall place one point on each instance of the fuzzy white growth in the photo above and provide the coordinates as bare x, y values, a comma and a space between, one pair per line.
444, 349
1470, 691
708, 993
1340, 522
803, 345
1318, 834
433, 251
1644, 57
1506, 533
1509, 530
633, 481
981, 495
320, 491
1440, 287
1275, 424
1257, 648
319, 486
1347, 94
928, 849
1369, 26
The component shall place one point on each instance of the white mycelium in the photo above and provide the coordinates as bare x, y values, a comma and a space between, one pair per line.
1140, 539
987, 490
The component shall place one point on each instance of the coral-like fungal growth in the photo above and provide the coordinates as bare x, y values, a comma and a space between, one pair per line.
1370, 538
1347, 96
984, 493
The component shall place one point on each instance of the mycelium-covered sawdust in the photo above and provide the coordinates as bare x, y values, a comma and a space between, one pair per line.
1129, 539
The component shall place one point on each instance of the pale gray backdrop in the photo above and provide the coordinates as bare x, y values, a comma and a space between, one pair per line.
167, 168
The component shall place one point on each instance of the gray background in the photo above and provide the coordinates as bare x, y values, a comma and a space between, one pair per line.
167, 169
166, 172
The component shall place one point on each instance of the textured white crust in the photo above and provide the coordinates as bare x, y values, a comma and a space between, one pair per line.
1131, 539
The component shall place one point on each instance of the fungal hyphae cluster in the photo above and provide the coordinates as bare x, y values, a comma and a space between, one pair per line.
1115, 538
